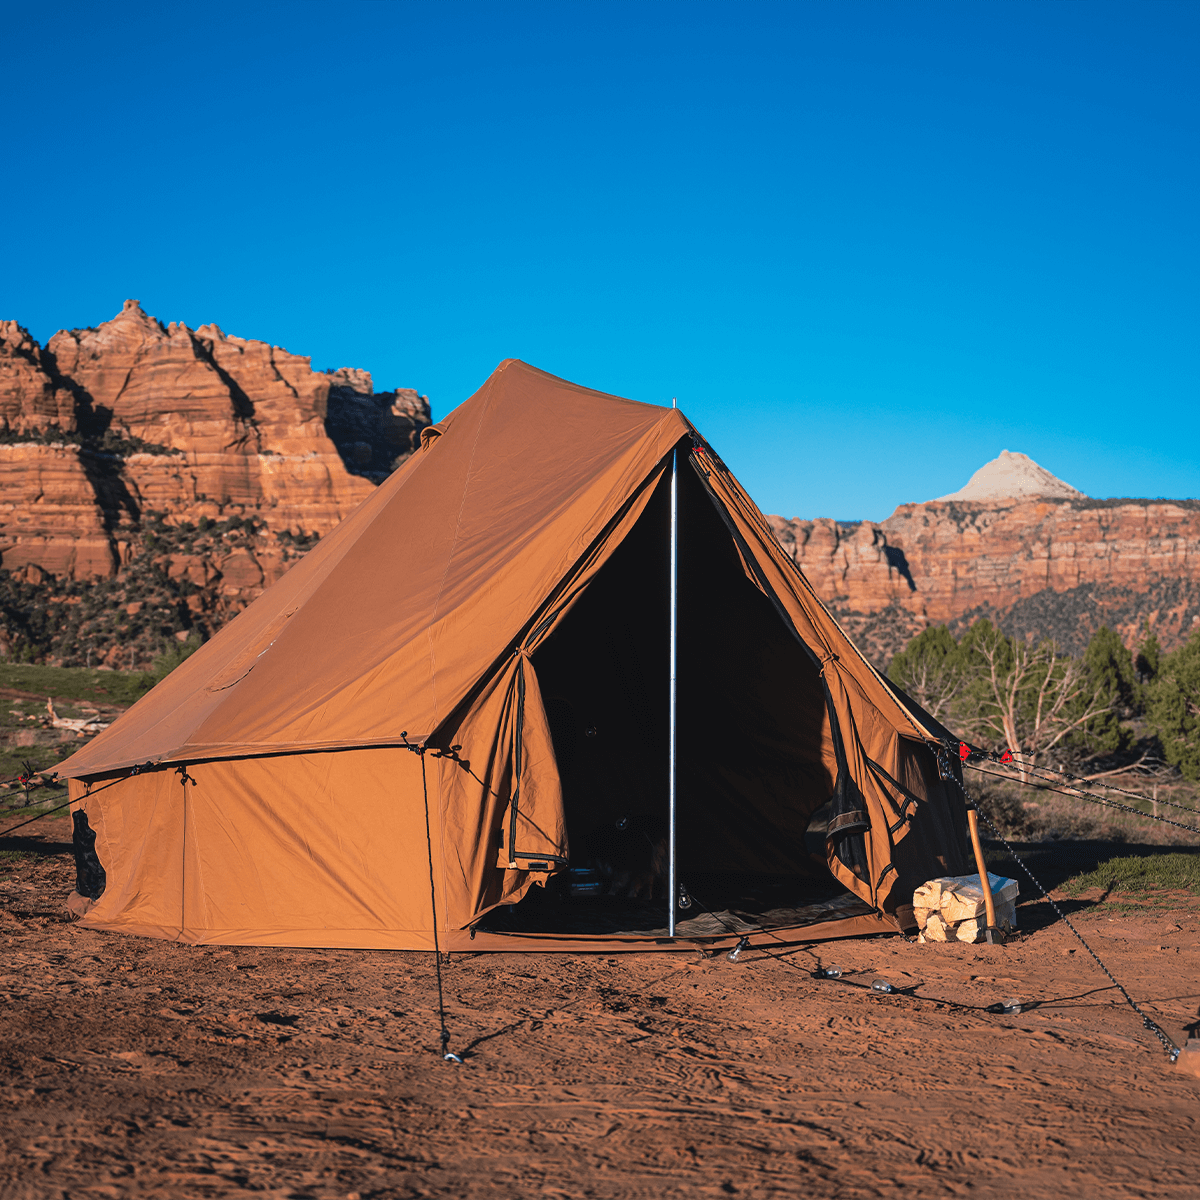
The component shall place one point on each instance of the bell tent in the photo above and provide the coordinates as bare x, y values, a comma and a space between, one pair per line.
557, 651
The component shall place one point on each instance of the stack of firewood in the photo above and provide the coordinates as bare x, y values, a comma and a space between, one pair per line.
953, 910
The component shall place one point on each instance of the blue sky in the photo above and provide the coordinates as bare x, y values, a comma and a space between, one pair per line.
867, 245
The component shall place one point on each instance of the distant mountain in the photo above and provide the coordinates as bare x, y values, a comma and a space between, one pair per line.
1017, 545
1011, 477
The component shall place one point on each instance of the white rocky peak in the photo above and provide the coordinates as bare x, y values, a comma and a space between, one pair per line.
1013, 477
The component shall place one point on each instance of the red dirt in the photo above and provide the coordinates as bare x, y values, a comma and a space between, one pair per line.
142, 1068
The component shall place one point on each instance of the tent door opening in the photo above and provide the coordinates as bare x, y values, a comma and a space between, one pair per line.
752, 746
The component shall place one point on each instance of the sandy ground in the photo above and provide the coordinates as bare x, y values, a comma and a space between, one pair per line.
140, 1068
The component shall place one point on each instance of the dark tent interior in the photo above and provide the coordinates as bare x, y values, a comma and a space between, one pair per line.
749, 777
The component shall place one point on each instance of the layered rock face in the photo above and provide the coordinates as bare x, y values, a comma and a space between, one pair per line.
108, 432
154, 479
1041, 567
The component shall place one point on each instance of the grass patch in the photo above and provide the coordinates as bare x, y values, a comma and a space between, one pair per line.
40, 758
8, 856
43, 802
1174, 872
78, 683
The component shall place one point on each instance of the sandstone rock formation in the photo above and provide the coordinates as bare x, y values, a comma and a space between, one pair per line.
120, 444
29, 400
154, 479
1041, 567
51, 519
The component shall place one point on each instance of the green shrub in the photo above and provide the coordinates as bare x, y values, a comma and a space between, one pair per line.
1149, 655
1108, 666
932, 670
1174, 707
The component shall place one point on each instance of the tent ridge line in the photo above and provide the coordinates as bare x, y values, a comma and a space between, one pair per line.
569, 385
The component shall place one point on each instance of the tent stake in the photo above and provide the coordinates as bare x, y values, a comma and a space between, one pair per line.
671, 885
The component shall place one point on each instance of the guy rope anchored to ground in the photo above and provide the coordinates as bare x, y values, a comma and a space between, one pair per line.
420, 749
969, 756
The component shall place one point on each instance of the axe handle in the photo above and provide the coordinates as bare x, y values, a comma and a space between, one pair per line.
988, 903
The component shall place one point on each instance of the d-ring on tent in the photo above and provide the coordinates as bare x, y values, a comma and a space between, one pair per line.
485, 641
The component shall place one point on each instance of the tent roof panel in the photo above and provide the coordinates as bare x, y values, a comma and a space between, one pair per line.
388, 622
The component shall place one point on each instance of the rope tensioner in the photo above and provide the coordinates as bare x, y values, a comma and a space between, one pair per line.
971, 756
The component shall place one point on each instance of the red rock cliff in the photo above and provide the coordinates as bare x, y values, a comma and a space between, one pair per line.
107, 433
1041, 567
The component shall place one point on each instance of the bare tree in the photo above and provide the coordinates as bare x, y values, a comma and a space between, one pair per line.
1032, 698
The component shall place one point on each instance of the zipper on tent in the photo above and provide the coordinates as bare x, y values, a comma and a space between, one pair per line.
517, 758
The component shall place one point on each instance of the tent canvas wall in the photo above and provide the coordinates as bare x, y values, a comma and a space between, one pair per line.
274, 789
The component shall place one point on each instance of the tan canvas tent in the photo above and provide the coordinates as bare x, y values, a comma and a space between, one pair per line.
467, 678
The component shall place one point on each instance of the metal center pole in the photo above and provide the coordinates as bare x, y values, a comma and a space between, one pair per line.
672, 887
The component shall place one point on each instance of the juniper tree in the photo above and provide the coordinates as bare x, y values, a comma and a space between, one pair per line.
1108, 667
1149, 656
1174, 706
